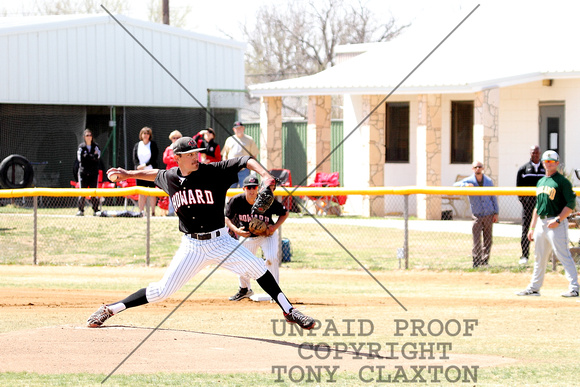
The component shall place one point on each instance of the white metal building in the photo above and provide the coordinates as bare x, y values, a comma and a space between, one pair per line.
61, 74
91, 60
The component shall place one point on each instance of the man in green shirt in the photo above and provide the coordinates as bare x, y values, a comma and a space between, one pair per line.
555, 202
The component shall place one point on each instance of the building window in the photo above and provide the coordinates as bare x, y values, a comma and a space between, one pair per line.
461, 132
397, 132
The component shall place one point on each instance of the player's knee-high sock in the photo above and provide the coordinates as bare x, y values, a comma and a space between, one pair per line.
135, 299
268, 283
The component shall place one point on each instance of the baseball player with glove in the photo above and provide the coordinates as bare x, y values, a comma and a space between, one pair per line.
256, 230
198, 193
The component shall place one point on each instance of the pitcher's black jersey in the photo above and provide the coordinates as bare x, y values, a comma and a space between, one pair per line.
199, 198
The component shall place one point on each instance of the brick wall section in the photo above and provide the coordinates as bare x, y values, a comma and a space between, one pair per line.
429, 153
318, 140
271, 132
486, 124
376, 151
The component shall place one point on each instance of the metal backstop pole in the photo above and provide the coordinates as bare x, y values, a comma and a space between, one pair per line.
406, 243
35, 206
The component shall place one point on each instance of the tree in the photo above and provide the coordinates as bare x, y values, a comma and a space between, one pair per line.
177, 19
68, 7
301, 39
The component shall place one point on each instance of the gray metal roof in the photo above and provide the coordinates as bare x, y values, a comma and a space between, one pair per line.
91, 60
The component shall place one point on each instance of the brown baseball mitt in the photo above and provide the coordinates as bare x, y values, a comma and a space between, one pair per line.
258, 227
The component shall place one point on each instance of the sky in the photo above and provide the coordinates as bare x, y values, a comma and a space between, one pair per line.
224, 18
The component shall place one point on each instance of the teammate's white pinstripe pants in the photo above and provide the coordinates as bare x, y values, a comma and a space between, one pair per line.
271, 247
556, 239
193, 255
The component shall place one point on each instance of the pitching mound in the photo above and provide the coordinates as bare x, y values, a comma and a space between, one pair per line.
73, 349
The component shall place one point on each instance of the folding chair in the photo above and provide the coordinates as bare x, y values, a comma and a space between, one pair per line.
328, 204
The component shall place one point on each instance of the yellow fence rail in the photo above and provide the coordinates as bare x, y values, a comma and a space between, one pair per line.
280, 191
38, 222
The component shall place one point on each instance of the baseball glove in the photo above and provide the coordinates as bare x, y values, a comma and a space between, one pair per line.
258, 227
265, 197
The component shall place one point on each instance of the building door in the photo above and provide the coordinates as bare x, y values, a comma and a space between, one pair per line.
294, 150
552, 127
337, 155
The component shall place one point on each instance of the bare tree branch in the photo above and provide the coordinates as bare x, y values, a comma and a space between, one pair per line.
178, 17
68, 7
302, 39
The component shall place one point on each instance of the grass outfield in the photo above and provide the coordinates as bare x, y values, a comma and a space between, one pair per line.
64, 239
86, 261
532, 338
507, 376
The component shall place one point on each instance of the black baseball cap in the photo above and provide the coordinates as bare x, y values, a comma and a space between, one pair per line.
238, 123
251, 181
185, 145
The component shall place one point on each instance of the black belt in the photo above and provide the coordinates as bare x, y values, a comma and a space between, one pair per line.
202, 236
547, 216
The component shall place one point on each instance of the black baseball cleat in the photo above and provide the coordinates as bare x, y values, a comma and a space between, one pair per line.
296, 317
241, 294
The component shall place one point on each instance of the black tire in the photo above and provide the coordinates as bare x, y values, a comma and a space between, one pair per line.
16, 172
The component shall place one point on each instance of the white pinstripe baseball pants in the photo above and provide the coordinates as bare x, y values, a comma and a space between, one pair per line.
193, 255
270, 246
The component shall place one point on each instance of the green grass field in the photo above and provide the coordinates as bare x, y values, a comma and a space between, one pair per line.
64, 239
104, 256
536, 334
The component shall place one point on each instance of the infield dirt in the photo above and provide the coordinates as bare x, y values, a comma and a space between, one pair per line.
43, 328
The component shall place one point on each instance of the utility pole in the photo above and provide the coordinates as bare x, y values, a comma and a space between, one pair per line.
166, 12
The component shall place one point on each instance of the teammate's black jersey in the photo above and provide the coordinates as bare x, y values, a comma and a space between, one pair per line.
238, 211
200, 197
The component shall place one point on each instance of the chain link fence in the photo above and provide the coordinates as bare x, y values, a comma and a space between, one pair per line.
323, 232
